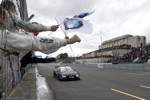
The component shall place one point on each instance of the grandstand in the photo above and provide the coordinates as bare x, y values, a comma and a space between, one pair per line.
123, 49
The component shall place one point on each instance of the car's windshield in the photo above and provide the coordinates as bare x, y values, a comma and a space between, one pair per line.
66, 69
62, 69
69, 69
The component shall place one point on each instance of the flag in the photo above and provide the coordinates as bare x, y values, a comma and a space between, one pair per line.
75, 24
82, 15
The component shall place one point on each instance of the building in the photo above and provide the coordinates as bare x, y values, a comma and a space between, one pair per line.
114, 48
134, 41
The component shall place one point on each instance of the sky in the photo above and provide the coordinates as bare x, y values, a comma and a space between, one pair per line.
112, 18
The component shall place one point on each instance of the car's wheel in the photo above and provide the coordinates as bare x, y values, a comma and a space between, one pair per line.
54, 74
60, 78
78, 79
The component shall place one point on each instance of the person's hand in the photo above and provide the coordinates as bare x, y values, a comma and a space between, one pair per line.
16, 53
66, 37
35, 33
73, 39
57, 57
54, 27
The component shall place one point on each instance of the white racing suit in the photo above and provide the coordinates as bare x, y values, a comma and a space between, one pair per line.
15, 21
12, 42
21, 42
27, 42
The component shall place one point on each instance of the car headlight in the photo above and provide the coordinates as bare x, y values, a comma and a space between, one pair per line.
63, 76
77, 75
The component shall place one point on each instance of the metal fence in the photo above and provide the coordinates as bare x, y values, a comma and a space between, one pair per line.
10, 73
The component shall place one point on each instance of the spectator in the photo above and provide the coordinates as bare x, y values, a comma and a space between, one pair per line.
29, 59
31, 27
16, 22
11, 41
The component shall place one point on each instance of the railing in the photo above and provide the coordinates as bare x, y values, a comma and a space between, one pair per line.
9, 74
125, 66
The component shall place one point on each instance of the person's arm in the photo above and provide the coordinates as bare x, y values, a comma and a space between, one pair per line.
42, 60
57, 57
23, 42
32, 27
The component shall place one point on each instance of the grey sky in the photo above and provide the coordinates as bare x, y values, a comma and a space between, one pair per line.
112, 18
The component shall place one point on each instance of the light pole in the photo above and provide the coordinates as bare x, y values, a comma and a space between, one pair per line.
101, 40
101, 49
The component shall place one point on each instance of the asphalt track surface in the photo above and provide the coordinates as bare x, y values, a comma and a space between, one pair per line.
99, 84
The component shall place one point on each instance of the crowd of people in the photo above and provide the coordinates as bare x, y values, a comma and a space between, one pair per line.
18, 38
137, 55
20, 43
123, 46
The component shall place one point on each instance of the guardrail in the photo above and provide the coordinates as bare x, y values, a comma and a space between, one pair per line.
142, 67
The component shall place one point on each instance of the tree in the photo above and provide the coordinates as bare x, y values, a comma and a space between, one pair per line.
63, 55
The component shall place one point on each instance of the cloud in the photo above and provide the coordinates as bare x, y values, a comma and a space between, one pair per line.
112, 18
53, 8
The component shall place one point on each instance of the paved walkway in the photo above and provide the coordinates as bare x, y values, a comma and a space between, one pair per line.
26, 88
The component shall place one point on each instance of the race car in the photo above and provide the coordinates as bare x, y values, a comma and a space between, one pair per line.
66, 73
